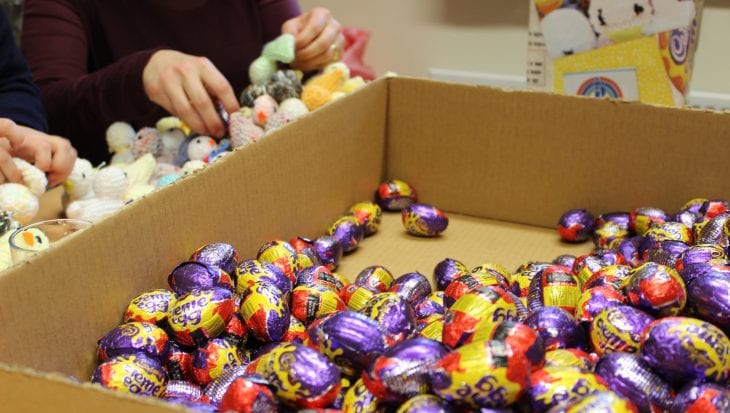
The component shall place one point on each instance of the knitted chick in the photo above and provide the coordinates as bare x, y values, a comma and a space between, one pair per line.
243, 131
119, 139
172, 133
138, 176
109, 188
263, 107
147, 140
33, 177
79, 182
280, 49
285, 84
319, 89
7, 227
200, 147
19, 201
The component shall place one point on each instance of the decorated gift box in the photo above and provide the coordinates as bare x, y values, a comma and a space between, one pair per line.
625, 49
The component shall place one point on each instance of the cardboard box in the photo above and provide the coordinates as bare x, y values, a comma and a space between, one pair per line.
503, 165
638, 50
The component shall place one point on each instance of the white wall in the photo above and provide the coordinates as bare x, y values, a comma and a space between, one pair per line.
411, 36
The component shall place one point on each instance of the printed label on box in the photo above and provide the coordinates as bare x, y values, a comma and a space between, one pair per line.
572, 41
618, 84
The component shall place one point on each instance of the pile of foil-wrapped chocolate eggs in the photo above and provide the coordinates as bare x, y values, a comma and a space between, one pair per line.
639, 324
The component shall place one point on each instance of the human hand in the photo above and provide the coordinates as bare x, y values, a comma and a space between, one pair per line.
51, 154
10, 136
186, 86
318, 39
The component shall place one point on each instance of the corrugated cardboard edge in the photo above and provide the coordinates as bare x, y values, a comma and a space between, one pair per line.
61, 289
541, 154
29, 391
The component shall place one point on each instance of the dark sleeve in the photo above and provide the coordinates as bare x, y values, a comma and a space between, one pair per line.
80, 105
274, 13
20, 99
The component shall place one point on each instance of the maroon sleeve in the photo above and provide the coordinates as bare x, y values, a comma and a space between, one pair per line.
274, 13
80, 105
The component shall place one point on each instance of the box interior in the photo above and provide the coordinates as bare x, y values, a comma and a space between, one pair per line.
503, 165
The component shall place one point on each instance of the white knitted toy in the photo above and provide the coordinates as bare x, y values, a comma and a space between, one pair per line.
200, 147
109, 187
22, 200
172, 132
119, 138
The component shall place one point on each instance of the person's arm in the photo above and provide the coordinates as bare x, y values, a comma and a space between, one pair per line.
19, 97
80, 105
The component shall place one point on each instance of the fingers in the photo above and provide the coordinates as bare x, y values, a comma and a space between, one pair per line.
312, 24
8, 171
319, 40
187, 86
11, 131
325, 50
64, 158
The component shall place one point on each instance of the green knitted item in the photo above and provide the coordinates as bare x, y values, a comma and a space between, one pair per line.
280, 49
261, 70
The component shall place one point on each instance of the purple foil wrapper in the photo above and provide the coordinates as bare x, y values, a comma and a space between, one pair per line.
681, 349
565, 260
424, 220
687, 218
412, 286
622, 219
446, 271
657, 289
713, 207
376, 277
552, 386
618, 328
665, 252
217, 254
629, 249
318, 276
183, 390
351, 340
576, 225
426, 403
702, 398
630, 377
709, 298
192, 275
201, 407
151, 307
645, 217
301, 376
614, 276
266, 312
250, 272
217, 356
712, 231
348, 232
596, 300
608, 235
328, 251
692, 272
404, 370
558, 328
433, 304
700, 254
132, 373
217, 388
393, 313
134, 337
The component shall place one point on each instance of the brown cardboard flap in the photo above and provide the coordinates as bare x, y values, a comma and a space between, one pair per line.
293, 182
26, 391
473, 241
528, 157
